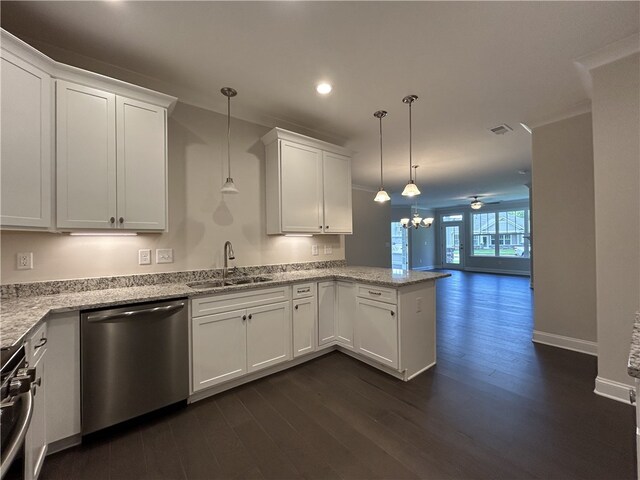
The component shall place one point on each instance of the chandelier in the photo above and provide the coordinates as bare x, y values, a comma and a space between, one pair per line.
416, 221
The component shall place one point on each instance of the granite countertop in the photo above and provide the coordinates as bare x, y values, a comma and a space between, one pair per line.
633, 368
19, 316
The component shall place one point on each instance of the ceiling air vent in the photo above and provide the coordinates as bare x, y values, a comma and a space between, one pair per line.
501, 129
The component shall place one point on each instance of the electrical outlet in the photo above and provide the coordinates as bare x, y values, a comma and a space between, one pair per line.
314, 249
144, 256
164, 255
25, 261
328, 250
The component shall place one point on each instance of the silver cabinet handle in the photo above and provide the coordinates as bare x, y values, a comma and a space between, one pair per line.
112, 220
134, 313
250, 316
374, 293
121, 220
244, 317
296, 307
632, 395
392, 313
304, 290
41, 343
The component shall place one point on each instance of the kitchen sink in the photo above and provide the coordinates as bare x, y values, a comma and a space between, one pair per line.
228, 282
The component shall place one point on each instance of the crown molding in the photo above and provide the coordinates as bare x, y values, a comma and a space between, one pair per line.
573, 111
603, 56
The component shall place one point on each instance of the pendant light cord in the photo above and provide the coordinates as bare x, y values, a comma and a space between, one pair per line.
410, 144
229, 135
381, 178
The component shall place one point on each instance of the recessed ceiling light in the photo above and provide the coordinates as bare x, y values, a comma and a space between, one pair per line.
324, 88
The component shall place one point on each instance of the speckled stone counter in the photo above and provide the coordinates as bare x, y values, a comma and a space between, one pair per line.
633, 367
19, 315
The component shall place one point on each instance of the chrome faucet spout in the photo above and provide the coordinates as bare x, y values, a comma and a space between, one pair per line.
228, 255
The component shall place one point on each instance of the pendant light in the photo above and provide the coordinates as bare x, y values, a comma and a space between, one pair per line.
411, 190
381, 196
229, 186
476, 204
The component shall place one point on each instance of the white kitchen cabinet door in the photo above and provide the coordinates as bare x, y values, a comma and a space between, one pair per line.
35, 443
377, 331
346, 312
219, 348
26, 144
301, 188
305, 314
86, 157
268, 335
326, 312
337, 193
141, 165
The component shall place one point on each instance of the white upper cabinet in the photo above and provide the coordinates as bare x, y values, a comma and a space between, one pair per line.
308, 185
86, 157
141, 165
110, 154
27, 144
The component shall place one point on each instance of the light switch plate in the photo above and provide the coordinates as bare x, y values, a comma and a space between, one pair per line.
144, 256
164, 255
314, 249
25, 261
328, 250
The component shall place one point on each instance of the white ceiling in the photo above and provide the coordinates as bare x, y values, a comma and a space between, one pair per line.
474, 65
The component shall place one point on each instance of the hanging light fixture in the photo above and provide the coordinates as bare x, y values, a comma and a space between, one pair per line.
416, 221
411, 190
382, 196
229, 186
476, 204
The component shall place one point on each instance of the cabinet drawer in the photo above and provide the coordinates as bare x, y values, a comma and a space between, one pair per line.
304, 290
35, 344
238, 300
377, 293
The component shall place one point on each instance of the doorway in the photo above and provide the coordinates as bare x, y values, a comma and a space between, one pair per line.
452, 241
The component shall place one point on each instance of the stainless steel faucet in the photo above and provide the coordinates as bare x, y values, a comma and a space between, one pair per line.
228, 255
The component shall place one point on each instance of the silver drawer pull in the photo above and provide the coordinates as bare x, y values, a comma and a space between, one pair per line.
374, 293
41, 343
304, 290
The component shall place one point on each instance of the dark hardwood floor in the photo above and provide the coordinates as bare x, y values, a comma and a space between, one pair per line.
495, 406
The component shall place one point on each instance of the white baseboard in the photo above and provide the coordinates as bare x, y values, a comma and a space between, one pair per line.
568, 343
613, 390
523, 273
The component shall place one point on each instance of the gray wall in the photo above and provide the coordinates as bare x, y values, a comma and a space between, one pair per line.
518, 266
370, 244
616, 123
563, 213
200, 218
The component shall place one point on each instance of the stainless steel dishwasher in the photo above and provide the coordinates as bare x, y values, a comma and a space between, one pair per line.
134, 360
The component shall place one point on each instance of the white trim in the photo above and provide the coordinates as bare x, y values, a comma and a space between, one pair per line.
424, 269
568, 343
278, 133
603, 56
613, 390
573, 111
523, 273
419, 371
363, 188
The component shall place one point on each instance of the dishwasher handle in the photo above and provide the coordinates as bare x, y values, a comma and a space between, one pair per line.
110, 317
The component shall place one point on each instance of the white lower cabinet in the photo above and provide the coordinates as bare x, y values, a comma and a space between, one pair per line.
239, 333
377, 327
219, 348
326, 313
35, 443
345, 313
305, 320
268, 335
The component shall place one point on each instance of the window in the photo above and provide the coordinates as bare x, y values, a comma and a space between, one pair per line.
456, 217
501, 233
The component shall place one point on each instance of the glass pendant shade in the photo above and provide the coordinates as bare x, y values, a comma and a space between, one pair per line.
382, 196
416, 220
404, 222
428, 221
229, 186
411, 190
